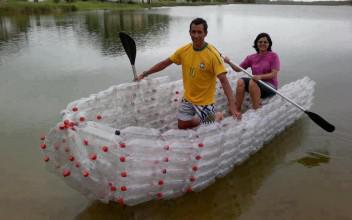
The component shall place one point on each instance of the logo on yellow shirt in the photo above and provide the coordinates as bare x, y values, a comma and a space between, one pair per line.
202, 66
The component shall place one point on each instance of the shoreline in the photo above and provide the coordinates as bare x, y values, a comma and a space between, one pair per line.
50, 7
323, 3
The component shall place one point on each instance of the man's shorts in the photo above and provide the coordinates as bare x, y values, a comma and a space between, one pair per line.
264, 91
187, 110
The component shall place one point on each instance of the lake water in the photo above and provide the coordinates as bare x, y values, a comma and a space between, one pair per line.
48, 61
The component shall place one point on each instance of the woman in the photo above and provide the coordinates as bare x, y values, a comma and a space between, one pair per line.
265, 66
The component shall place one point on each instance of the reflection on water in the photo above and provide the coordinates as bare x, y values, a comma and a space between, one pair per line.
99, 28
104, 27
13, 33
314, 159
49, 61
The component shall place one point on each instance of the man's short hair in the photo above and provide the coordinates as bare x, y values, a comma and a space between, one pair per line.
198, 21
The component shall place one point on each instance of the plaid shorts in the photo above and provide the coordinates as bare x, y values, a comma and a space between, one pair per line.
187, 110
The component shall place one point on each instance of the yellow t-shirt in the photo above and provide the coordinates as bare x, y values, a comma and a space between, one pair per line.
199, 71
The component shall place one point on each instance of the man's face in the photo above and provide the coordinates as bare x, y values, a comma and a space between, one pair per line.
198, 34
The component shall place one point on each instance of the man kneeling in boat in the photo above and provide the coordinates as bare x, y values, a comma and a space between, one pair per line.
201, 65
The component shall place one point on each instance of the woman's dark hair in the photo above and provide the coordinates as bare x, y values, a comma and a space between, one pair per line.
255, 46
198, 21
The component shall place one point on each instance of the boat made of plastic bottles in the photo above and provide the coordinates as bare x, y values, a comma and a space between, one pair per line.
122, 144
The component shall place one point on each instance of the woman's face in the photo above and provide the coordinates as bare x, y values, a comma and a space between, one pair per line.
263, 44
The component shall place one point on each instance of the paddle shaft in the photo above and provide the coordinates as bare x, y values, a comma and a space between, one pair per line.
134, 71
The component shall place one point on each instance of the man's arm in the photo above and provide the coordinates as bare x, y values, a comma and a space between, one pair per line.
228, 92
156, 68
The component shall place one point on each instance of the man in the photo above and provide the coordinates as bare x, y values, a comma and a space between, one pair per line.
201, 65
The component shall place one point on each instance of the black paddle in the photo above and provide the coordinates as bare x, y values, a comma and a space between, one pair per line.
130, 48
315, 117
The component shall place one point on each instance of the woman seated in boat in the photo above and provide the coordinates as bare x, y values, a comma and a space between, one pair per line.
265, 66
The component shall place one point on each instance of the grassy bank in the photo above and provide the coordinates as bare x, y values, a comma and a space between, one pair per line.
47, 7
93, 5
18, 7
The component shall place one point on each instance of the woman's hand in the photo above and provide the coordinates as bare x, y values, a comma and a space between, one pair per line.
233, 66
256, 77
227, 60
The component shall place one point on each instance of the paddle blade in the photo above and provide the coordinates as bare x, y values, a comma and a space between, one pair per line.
320, 121
129, 45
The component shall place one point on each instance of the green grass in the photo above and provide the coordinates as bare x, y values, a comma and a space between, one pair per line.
96, 5
21, 7
93, 5
13, 7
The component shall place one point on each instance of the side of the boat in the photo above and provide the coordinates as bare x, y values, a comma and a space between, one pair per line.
133, 164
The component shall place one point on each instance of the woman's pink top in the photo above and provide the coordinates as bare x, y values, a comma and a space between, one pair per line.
262, 64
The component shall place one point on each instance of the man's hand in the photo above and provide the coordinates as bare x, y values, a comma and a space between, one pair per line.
156, 68
230, 98
141, 76
233, 111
